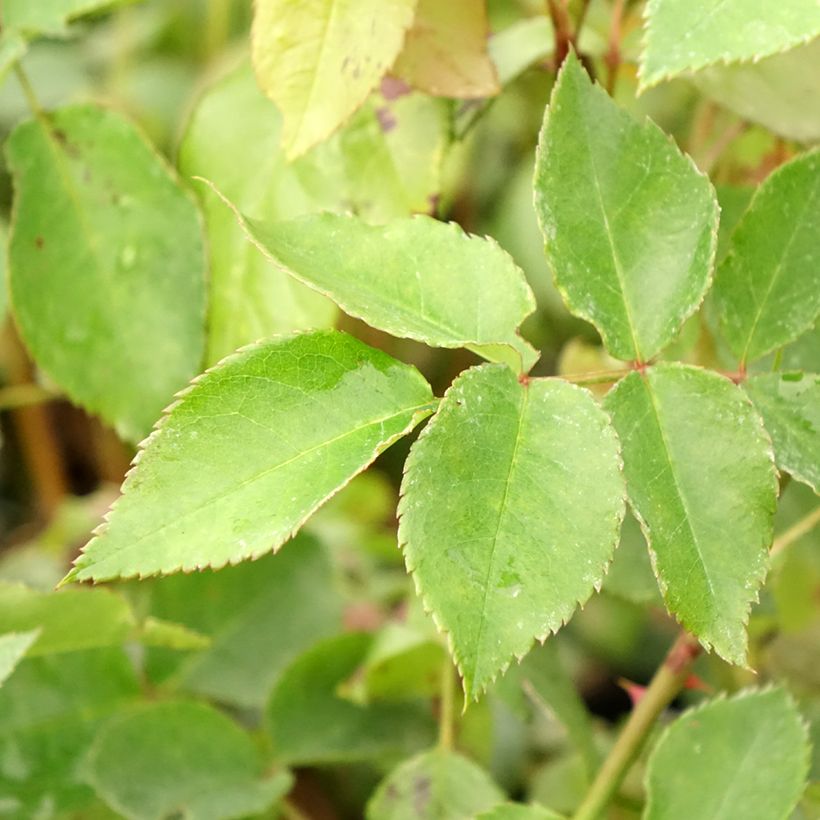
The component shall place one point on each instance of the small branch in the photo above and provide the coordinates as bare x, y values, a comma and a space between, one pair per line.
665, 686
612, 58
28, 92
723, 141
562, 26
446, 710
796, 531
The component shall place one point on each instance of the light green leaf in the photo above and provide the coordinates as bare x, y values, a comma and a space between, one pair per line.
781, 92
415, 278
682, 36
13, 645
155, 632
702, 483
50, 710
768, 287
647, 216
69, 620
748, 755
311, 723
734, 200
251, 450
318, 60
436, 785
445, 51
258, 615
790, 406
179, 757
630, 576
106, 265
512, 500
519, 45
36, 17
517, 811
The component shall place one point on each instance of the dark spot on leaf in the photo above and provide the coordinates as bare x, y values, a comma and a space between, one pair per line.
387, 121
392, 88
432, 203
421, 795
39, 242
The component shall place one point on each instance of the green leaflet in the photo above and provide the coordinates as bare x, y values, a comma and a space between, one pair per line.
13, 645
517, 811
630, 575
682, 36
50, 710
768, 287
37, 17
259, 615
311, 723
251, 450
106, 265
436, 785
445, 51
190, 759
630, 224
415, 278
69, 620
701, 480
512, 500
748, 755
790, 406
319, 60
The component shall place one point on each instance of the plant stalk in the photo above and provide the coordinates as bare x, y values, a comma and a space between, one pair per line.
446, 708
28, 92
797, 530
665, 686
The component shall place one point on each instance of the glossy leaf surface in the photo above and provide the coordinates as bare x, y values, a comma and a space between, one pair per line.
748, 756
259, 616
251, 450
629, 223
436, 785
445, 51
415, 278
191, 760
105, 253
13, 645
318, 60
312, 723
512, 500
682, 36
768, 287
701, 480
790, 406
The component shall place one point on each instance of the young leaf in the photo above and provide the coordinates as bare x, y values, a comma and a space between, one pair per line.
253, 448
512, 500
702, 483
319, 60
436, 785
48, 16
790, 406
13, 645
748, 755
682, 36
69, 620
768, 287
630, 224
259, 617
311, 723
445, 52
106, 265
178, 757
415, 278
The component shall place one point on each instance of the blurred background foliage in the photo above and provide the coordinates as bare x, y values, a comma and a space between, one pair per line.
247, 637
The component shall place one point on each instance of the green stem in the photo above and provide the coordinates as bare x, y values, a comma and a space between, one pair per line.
28, 92
446, 708
797, 530
22, 395
665, 686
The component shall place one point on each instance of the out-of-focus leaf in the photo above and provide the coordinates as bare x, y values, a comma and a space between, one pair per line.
13, 645
445, 50
768, 287
748, 755
311, 723
682, 36
251, 450
436, 785
630, 575
50, 710
512, 500
12, 48
176, 757
781, 92
733, 199
700, 476
648, 218
518, 46
790, 406
318, 60
518, 811
258, 616
106, 265
37, 17
158, 633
